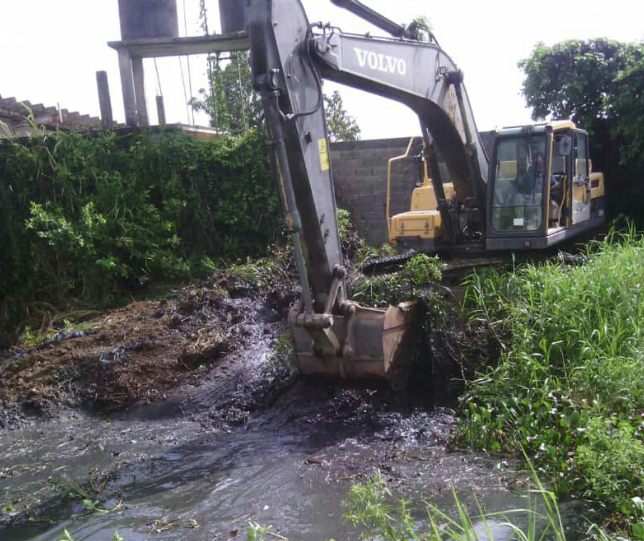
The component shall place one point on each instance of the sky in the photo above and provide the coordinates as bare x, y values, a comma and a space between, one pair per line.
50, 51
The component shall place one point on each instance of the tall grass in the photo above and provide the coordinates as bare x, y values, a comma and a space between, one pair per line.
569, 386
372, 509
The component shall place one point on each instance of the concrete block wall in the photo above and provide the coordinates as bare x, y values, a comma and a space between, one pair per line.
360, 176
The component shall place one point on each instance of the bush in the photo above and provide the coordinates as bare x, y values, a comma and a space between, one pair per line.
611, 462
93, 218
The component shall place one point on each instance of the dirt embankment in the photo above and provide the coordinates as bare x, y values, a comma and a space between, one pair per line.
138, 353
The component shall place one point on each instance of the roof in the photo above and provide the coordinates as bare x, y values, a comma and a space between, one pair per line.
16, 114
555, 125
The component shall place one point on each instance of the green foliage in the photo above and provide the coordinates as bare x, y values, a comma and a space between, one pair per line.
408, 284
344, 223
570, 79
611, 463
421, 29
230, 101
95, 218
341, 126
368, 507
628, 104
571, 377
374, 252
234, 106
257, 532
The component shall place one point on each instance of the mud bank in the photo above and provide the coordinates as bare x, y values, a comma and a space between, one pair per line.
135, 355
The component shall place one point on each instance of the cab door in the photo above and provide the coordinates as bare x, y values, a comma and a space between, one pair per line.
580, 179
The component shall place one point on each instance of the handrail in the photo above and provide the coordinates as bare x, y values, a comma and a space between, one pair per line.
389, 163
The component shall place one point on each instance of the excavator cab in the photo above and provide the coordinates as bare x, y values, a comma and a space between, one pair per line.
541, 189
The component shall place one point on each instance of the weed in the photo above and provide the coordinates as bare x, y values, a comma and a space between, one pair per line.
371, 252
90, 220
569, 384
165, 525
372, 508
611, 464
89, 492
257, 532
31, 338
280, 362
413, 281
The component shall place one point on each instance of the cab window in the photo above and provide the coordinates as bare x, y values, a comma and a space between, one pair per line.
518, 183
581, 146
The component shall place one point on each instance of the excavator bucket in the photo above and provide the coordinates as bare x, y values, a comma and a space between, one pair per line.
362, 344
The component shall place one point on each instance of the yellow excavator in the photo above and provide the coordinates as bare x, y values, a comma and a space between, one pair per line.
539, 191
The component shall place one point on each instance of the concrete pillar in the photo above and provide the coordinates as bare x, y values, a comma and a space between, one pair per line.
139, 91
161, 111
127, 84
104, 100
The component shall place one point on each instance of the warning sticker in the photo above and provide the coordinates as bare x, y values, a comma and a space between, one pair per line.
324, 154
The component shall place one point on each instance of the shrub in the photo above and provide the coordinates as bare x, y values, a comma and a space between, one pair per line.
611, 462
93, 218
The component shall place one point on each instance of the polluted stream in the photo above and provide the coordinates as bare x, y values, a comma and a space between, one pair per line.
244, 442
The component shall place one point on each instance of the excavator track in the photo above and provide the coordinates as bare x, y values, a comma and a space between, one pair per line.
381, 265
457, 266
453, 269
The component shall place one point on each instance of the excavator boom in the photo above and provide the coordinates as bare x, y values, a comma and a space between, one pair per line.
289, 58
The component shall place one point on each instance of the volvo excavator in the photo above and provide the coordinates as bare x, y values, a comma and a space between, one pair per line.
457, 206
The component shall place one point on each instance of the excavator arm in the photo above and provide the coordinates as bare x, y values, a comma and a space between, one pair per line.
289, 59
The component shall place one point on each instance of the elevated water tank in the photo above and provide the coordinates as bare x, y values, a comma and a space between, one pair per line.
142, 19
232, 14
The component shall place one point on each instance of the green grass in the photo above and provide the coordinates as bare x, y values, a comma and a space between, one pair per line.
569, 386
372, 509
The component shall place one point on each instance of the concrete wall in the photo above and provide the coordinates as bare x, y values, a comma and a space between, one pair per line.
360, 175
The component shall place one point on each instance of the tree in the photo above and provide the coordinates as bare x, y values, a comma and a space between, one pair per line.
627, 103
230, 101
340, 125
234, 106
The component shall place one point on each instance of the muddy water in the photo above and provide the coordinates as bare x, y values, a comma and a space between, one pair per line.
206, 461
287, 473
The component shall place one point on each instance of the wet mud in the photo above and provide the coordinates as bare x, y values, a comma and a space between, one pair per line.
212, 431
